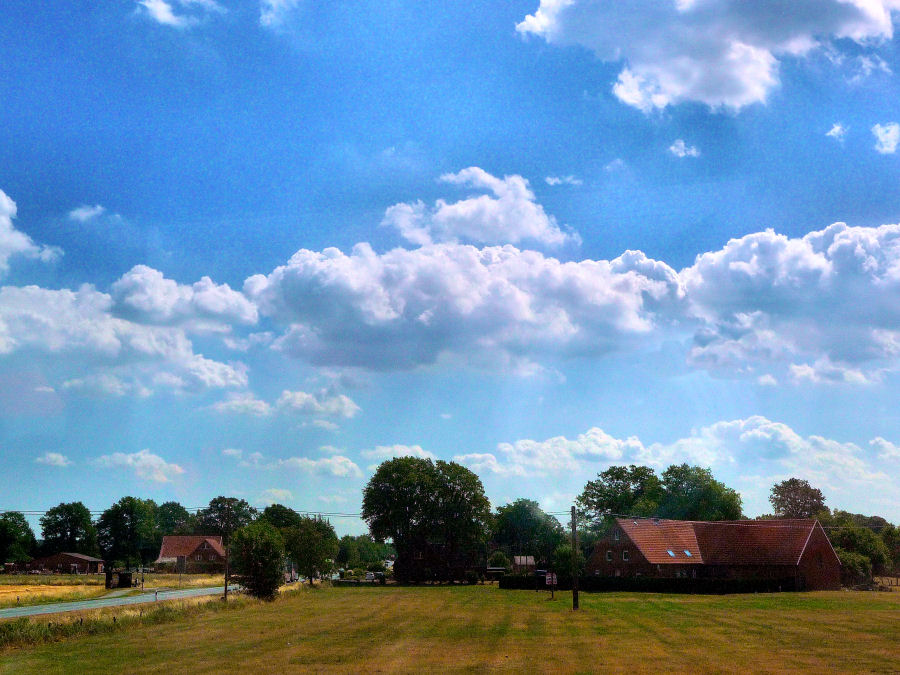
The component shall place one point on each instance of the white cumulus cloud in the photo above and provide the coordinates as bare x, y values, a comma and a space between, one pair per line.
180, 14
773, 447
681, 149
338, 466
14, 242
84, 213
887, 136
53, 459
405, 308
322, 404
144, 295
766, 298
274, 496
562, 180
723, 54
144, 464
837, 132
508, 215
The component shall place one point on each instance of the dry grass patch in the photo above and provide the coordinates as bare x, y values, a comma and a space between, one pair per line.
13, 596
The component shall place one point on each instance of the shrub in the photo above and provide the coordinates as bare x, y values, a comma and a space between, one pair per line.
856, 568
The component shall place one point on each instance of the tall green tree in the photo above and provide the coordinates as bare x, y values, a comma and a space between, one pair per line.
435, 513
281, 516
313, 545
173, 518
224, 516
126, 531
67, 528
691, 493
683, 492
522, 528
621, 490
796, 498
17, 542
256, 552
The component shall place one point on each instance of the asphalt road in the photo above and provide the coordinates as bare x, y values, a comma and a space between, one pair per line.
54, 608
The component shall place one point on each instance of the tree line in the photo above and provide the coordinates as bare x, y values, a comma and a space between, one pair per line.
442, 526
435, 518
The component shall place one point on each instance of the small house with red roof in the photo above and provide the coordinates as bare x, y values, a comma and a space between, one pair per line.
199, 552
796, 550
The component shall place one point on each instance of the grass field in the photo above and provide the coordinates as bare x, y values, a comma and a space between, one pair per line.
481, 628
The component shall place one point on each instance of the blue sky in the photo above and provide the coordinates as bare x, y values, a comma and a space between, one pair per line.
255, 248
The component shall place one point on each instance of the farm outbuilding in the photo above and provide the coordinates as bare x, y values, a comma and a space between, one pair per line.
795, 553
67, 563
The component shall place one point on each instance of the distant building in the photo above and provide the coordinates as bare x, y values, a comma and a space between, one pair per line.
794, 550
523, 563
67, 563
199, 553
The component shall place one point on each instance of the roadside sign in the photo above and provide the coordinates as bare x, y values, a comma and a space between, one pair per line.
550, 579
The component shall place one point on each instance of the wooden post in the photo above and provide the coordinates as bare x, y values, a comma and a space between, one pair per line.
574, 561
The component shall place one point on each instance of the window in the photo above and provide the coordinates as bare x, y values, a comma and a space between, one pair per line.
609, 556
626, 556
616, 535
688, 553
199, 557
670, 552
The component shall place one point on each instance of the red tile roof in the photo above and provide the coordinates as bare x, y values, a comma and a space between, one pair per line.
730, 542
175, 545
655, 538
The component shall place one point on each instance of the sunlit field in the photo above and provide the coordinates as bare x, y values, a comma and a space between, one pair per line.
482, 628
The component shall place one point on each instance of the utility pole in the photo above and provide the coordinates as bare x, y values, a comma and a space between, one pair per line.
574, 562
225, 540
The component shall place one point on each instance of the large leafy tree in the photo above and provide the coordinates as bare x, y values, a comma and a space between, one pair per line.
435, 513
523, 528
126, 531
281, 516
621, 490
68, 528
257, 556
683, 492
17, 541
173, 518
796, 498
691, 493
224, 516
313, 545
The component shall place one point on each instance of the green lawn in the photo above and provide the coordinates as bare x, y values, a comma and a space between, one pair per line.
459, 629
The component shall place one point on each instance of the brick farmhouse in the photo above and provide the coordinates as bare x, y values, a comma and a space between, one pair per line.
797, 551
201, 553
